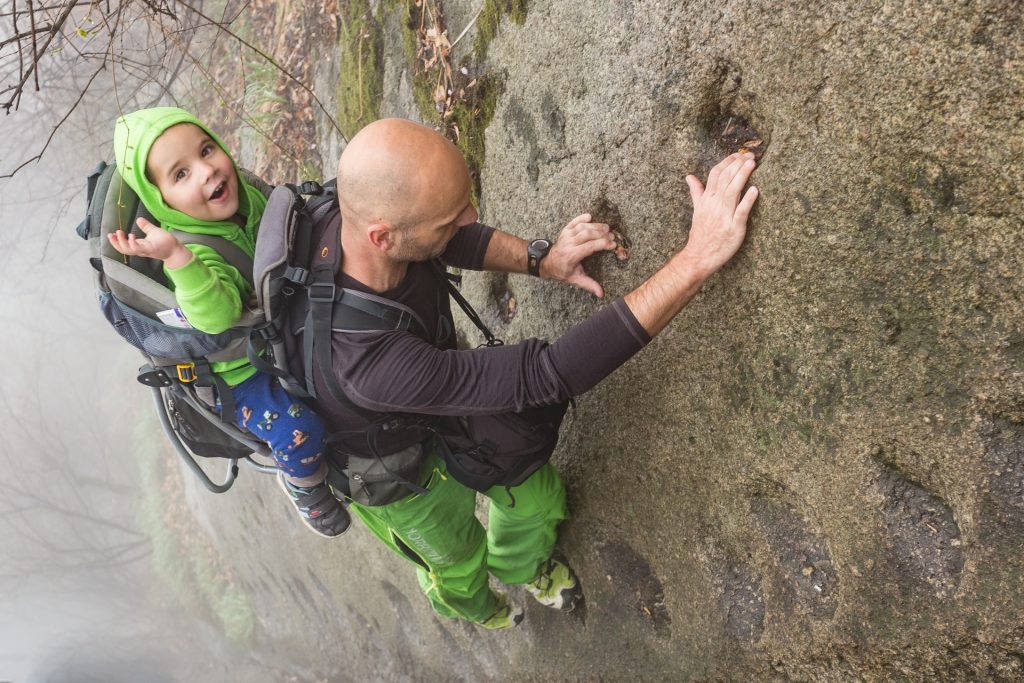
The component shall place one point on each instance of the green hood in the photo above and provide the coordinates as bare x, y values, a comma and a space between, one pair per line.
134, 135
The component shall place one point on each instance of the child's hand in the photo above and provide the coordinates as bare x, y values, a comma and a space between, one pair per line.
158, 244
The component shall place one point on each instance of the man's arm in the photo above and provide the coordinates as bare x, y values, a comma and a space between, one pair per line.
719, 225
398, 372
716, 233
578, 240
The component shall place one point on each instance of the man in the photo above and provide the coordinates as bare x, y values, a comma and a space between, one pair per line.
404, 199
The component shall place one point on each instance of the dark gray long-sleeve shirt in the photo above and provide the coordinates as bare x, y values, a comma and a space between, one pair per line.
396, 371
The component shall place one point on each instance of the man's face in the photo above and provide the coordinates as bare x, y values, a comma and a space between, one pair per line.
194, 175
428, 239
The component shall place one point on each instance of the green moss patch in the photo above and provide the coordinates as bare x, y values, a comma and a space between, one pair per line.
490, 18
467, 111
361, 69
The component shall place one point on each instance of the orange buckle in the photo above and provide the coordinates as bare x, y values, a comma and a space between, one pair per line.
186, 372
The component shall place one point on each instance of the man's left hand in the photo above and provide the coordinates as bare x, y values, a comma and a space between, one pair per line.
579, 239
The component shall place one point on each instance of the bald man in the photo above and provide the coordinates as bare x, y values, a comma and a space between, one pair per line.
404, 199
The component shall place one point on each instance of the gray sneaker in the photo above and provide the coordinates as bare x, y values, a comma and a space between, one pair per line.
317, 507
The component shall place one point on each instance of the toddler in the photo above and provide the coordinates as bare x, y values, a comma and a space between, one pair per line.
189, 182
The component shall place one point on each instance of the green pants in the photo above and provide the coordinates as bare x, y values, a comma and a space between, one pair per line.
440, 534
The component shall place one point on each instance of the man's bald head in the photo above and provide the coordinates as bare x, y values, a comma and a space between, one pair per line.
401, 173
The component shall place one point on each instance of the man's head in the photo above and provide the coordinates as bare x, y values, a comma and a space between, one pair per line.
407, 187
179, 168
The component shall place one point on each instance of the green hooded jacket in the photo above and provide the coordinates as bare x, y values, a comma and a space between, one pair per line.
210, 292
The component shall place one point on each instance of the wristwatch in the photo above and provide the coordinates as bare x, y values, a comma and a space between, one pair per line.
535, 253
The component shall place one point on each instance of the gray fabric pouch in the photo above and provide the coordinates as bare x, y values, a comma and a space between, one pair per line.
372, 481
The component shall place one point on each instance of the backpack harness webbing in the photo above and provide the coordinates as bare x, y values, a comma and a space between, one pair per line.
328, 307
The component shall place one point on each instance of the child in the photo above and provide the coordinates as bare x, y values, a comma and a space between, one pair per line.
189, 182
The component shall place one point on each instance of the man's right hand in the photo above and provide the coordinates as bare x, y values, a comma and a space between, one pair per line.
716, 233
719, 216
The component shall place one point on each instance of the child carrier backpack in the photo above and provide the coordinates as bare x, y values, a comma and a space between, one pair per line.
295, 266
135, 298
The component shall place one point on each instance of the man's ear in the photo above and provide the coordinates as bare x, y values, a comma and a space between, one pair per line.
381, 235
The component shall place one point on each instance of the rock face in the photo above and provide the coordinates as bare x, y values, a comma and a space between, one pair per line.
816, 472
821, 459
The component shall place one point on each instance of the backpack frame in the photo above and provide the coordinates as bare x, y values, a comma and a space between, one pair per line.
132, 291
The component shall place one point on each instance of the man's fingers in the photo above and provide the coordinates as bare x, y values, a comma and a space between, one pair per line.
746, 205
696, 189
730, 167
587, 232
592, 246
582, 218
715, 172
587, 283
740, 179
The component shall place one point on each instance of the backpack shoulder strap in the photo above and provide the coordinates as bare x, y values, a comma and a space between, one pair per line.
359, 311
450, 282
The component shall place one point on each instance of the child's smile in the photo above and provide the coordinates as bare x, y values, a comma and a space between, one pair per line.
194, 175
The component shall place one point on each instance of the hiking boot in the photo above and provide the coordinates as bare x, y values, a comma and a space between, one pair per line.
555, 584
317, 507
506, 616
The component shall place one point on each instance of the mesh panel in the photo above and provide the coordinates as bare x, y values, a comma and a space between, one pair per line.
156, 339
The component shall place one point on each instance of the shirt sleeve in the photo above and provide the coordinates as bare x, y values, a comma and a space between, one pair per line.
469, 246
208, 290
398, 372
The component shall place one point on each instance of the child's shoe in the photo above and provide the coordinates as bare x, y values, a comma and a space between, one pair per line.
317, 507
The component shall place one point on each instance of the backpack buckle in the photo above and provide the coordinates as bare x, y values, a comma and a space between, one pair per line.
186, 372
311, 187
322, 292
267, 332
299, 276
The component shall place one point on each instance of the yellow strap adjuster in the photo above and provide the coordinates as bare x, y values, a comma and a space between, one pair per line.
186, 372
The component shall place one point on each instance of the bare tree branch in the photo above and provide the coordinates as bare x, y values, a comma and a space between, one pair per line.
35, 47
273, 62
74, 106
25, 34
57, 26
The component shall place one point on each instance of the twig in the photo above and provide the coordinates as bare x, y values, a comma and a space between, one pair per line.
74, 106
24, 34
160, 10
469, 25
21, 54
15, 11
359, 72
273, 62
57, 26
35, 50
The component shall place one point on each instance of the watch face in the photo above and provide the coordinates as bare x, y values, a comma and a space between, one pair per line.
540, 245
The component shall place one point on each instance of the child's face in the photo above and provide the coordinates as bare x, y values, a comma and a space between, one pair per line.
193, 173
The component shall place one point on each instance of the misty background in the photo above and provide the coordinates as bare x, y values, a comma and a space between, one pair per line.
79, 600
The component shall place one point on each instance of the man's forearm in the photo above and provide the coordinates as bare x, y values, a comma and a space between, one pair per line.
664, 294
505, 253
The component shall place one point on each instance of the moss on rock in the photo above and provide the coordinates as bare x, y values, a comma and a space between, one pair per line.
361, 73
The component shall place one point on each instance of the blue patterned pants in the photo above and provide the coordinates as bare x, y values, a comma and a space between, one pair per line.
294, 433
